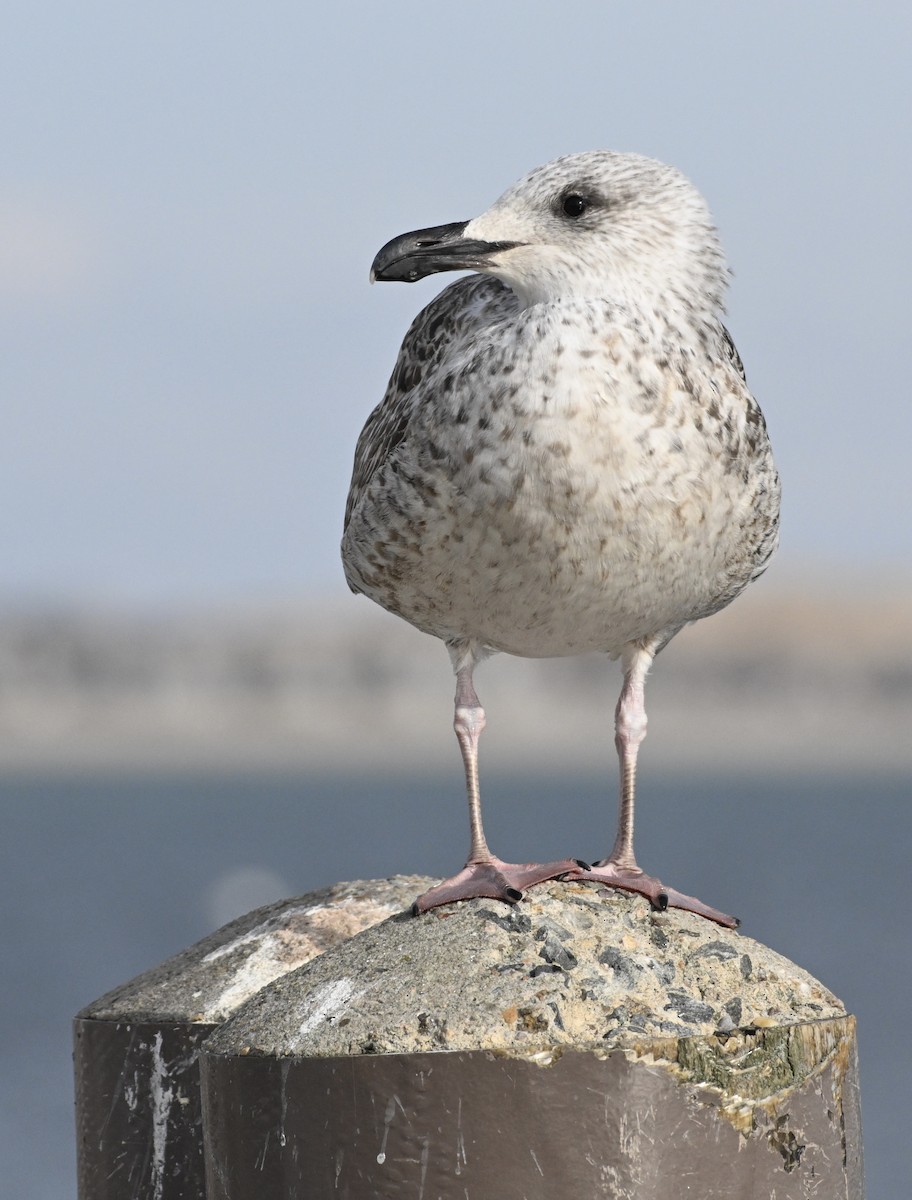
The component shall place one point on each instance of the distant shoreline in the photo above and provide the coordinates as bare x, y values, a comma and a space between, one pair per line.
787, 679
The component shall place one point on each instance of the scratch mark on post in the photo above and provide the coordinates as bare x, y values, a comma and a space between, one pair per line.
537, 1163
286, 1063
119, 1086
461, 1159
139, 1171
261, 1159
118, 1164
425, 1155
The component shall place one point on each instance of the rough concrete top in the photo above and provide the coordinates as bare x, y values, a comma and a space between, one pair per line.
209, 981
573, 964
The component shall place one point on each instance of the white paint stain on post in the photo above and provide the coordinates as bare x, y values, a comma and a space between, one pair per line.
161, 1103
388, 1118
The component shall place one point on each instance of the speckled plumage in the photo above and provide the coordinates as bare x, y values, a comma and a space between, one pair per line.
567, 457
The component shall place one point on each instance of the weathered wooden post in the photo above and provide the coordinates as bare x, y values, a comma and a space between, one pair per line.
138, 1111
579, 1044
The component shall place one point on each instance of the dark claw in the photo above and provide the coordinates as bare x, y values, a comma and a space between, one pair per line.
513, 895
583, 866
661, 898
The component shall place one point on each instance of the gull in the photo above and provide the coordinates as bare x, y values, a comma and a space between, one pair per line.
567, 459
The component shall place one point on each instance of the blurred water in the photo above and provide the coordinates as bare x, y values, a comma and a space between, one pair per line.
101, 879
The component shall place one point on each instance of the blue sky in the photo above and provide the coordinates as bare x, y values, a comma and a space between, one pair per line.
191, 196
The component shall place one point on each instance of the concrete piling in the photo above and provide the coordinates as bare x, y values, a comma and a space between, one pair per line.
578, 1044
138, 1105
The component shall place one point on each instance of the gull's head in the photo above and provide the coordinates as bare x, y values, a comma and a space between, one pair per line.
594, 225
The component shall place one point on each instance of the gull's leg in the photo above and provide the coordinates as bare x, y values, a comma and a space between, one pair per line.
468, 722
620, 868
484, 874
629, 732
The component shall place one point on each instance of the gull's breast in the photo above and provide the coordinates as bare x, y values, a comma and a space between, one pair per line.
591, 497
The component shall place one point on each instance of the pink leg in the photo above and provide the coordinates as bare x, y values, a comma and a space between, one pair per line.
620, 868
484, 874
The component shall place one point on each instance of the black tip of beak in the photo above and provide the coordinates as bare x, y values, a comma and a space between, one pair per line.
412, 256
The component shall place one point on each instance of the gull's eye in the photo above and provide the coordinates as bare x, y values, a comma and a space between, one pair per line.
574, 205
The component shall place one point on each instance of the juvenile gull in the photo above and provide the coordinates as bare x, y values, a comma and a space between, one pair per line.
567, 457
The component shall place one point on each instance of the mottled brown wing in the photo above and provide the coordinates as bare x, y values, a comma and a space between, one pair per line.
763, 536
732, 351
447, 324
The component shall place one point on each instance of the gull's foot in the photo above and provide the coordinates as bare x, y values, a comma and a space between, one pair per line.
659, 896
495, 880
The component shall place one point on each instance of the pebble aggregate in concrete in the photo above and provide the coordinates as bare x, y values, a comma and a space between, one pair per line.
572, 965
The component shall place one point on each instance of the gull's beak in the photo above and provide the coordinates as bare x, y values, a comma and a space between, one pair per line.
411, 256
